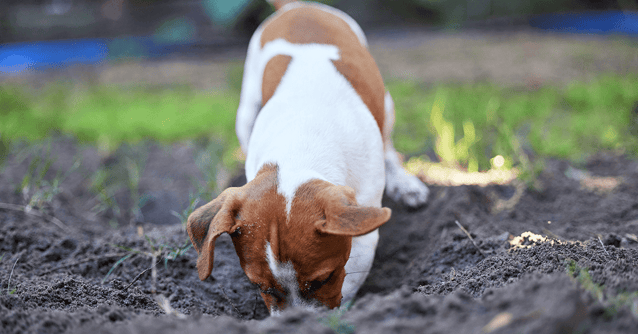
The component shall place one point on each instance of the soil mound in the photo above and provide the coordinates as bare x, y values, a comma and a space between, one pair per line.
560, 259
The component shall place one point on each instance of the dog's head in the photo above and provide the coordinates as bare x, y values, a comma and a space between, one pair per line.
294, 253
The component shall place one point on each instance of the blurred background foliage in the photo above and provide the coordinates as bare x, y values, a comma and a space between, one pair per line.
210, 22
467, 124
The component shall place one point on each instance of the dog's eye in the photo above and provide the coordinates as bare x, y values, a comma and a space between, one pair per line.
318, 283
275, 293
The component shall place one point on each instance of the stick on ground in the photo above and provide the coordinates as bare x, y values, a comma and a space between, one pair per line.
469, 236
37, 213
602, 244
230, 301
140, 275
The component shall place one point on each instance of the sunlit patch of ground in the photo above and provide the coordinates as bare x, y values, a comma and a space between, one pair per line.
442, 175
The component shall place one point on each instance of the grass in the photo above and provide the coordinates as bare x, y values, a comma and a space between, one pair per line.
466, 124
35, 188
334, 320
193, 200
160, 250
109, 116
9, 290
473, 123
612, 303
164, 251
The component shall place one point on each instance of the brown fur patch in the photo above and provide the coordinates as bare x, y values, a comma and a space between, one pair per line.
307, 24
318, 258
262, 211
280, 3
273, 73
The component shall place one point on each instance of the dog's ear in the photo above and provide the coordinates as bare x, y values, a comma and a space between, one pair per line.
344, 216
208, 222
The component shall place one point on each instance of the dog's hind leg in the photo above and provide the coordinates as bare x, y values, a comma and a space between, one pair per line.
250, 98
400, 185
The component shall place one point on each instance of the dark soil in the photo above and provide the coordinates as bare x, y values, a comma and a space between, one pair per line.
428, 275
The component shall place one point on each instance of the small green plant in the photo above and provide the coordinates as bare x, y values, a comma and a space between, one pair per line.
35, 173
193, 200
336, 323
175, 252
210, 161
119, 176
120, 261
133, 183
612, 303
163, 251
9, 290
105, 194
35, 189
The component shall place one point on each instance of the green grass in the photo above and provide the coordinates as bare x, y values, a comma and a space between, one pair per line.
110, 116
473, 122
334, 320
612, 303
571, 122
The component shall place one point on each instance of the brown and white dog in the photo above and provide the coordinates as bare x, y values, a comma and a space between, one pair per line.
314, 121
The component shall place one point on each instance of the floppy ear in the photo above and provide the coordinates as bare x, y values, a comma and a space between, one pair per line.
345, 217
207, 223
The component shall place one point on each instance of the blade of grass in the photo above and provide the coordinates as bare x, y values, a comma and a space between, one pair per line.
150, 242
115, 265
10, 275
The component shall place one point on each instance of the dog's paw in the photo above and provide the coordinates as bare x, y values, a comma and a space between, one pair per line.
406, 188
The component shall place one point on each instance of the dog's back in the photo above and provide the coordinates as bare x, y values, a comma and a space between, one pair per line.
303, 24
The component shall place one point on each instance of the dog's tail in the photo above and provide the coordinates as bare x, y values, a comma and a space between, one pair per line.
280, 3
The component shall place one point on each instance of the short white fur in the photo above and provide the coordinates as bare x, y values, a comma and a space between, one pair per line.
347, 148
286, 276
316, 126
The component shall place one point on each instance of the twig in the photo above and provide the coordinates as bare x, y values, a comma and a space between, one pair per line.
553, 235
161, 300
255, 307
601, 243
14, 266
469, 236
165, 305
140, 275
80, 262
231, 302
37, 213
153, 275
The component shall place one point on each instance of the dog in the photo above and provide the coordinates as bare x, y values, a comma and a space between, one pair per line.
315, 123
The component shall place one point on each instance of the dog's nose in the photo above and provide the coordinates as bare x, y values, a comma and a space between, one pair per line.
297, 303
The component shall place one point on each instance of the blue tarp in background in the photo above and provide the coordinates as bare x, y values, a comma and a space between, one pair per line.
610, 22
178, 36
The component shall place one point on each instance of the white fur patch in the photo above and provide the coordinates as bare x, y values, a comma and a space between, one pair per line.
286, 276
315, 126
359, 264
284, 273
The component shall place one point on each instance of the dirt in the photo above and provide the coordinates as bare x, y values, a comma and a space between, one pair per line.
61, 267
54, 274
